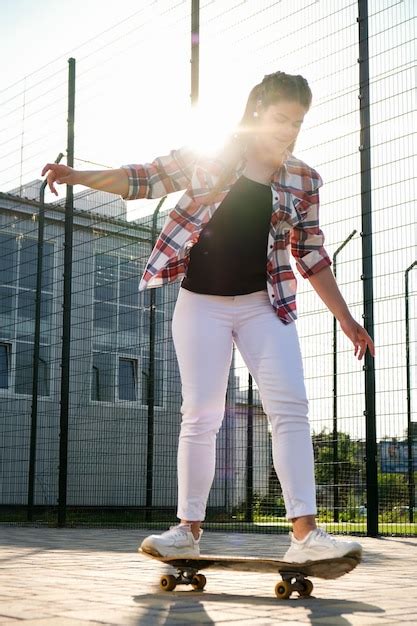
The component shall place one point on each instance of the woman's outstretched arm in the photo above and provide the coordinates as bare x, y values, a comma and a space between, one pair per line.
114, 181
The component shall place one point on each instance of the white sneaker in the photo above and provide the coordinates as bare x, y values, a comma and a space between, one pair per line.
320, 545
177, 541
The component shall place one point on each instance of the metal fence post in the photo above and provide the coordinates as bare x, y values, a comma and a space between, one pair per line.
151, 382
66, 313
335, 432
249, 453
195, 50
367, 270
36, 349
410, 431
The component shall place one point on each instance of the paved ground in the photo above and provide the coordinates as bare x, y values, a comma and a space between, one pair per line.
76, 577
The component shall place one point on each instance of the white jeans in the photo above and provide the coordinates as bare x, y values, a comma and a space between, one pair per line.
204, 328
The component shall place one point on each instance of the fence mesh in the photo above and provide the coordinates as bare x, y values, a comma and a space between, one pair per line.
124, 409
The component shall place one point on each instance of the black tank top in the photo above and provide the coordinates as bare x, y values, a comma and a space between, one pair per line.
229, 258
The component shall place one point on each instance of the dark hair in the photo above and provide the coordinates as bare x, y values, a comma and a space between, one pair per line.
280, 86
272, 89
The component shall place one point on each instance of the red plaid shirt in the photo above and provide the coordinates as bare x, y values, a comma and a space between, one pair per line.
294, 220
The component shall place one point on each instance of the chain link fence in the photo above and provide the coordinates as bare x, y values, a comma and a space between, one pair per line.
125, 396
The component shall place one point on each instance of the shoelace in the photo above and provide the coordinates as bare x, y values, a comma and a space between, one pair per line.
322, 533
176, 528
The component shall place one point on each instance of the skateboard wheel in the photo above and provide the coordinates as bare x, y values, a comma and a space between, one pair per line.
307, 588
168, 582
283, 590
199, 581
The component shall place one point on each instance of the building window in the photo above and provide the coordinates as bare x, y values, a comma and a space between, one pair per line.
158, 384
102, 384
18, 263
24, 369
121, 331
8, 259
7, 312
128, 379
5, 352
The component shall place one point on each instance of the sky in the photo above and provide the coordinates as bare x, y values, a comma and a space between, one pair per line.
33, 33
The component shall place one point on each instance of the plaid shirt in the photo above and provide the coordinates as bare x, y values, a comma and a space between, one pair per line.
294, 220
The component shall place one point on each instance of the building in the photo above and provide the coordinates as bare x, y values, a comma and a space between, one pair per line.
108, 459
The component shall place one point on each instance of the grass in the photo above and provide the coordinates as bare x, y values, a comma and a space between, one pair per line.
137, 519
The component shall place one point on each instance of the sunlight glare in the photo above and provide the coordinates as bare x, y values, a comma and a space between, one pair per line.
207, 132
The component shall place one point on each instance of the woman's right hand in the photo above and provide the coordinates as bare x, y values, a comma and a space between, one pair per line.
60, 174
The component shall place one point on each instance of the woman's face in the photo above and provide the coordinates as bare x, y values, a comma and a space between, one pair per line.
277, 127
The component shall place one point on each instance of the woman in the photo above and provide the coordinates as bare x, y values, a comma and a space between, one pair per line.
228, 239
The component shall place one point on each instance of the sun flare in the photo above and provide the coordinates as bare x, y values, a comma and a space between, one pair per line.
207, 132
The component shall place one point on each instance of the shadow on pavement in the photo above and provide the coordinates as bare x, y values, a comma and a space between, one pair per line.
190, 607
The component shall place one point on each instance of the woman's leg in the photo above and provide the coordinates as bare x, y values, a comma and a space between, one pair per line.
271, 351
272, 354
202, 333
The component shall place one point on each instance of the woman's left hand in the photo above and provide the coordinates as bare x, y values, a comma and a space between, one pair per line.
358, 336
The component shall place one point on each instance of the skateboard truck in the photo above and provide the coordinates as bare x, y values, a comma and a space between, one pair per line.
291, 581
188, 576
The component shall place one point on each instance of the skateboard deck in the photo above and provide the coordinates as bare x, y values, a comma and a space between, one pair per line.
294, 576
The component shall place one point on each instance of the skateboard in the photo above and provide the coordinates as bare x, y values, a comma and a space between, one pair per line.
294, 576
